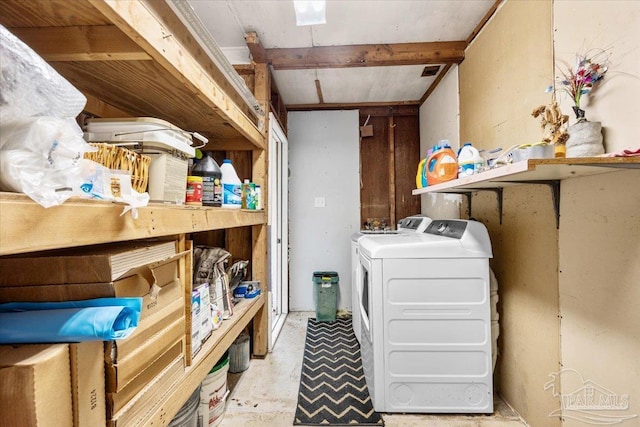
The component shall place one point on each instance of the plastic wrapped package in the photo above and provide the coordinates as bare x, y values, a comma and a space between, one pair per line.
40, 156
29, 86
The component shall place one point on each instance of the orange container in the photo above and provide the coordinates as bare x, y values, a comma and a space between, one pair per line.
442, 166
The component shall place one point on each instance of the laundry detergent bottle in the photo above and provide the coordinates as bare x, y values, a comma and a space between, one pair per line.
469, 160
421, 177
231, 186
442, 166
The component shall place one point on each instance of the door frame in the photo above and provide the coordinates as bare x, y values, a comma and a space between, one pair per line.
278, 225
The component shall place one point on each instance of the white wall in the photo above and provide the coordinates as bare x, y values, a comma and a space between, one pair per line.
439, 119
323, 162
599, 237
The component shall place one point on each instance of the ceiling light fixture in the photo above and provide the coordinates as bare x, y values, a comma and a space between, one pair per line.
198, 30
310, 12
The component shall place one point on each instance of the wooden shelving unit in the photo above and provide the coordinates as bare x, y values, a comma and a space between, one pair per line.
137, 58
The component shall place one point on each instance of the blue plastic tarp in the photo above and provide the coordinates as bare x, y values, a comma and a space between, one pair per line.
102, 319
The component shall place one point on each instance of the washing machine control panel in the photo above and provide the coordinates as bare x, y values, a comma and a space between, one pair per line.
417, 223
447, 228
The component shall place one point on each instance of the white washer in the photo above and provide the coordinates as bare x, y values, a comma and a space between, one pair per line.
426, 325
411, 224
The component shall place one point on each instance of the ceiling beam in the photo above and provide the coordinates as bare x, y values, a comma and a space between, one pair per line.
385, 107
81, 43
366, 55
258, 54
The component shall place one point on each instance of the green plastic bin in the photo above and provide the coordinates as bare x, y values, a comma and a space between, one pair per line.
326, 295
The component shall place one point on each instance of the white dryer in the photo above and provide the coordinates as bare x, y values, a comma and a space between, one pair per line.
426, 325
411, 224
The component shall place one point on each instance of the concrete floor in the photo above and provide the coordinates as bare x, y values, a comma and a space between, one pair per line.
266, 394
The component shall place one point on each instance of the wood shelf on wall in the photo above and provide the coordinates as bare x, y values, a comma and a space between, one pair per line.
548, 172
25, 225
533, 170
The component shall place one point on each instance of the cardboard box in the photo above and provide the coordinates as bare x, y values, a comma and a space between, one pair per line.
94, 264
147, 360
117, 401
132, 411
158, 283
36, 386
147, 328
206, 325
195, 342
366, 131
87, 384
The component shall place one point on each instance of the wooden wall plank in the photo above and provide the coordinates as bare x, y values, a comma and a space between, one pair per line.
392, 172
374, 172
407, 157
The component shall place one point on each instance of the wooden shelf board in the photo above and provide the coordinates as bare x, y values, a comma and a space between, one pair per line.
212, 350
177, 83
533, 170
26, 226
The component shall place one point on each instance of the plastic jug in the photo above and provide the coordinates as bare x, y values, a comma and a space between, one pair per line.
469, 160
442, 166
421, 177
231, 186
211, 175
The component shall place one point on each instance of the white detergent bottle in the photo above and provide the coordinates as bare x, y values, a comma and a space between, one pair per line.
469, 160
231, 186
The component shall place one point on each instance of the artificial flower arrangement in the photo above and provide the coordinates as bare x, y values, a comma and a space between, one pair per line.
588, 72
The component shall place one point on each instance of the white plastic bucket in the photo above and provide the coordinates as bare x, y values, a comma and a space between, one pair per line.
213, 395
187, 416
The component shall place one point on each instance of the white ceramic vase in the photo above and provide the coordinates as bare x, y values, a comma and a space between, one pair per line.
585, 139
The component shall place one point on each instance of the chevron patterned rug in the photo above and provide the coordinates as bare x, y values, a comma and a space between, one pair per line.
332, 386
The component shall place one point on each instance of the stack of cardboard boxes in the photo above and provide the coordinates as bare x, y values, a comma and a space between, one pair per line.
154, 354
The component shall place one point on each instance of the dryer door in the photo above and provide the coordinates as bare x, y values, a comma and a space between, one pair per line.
364, 300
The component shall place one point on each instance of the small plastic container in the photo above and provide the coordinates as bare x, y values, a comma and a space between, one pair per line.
248, 195
194, 191
326, 295
231, 186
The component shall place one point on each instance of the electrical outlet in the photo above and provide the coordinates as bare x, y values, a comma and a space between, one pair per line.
319, 202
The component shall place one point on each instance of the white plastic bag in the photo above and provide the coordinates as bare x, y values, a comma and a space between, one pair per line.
39, 156
31, 87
